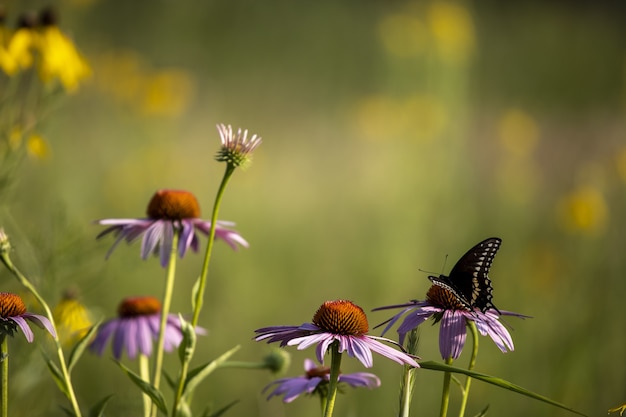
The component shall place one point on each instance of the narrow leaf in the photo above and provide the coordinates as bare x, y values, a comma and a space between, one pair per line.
222, 410
483, 412
80, 347
98, 409
147, 388
435, 366
57, 375
198, 374
68, 412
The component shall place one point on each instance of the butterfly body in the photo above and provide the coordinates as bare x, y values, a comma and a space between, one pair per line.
468, 281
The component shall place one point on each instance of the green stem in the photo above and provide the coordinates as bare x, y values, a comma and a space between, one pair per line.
144, 372
335, 364
445, 395
165, 310
199, 295
71, 396
408, 376
209, 248
472, 363
4, 352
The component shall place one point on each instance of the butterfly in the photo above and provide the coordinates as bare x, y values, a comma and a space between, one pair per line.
468, 281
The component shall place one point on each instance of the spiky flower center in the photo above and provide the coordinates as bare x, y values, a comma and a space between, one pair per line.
443, 298
173, 205
11, 305
236, 147
138, 306
341, 317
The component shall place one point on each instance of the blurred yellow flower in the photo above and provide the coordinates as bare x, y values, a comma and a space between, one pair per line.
60, 59
453, 29
72, 319
518, 132
19, 50
37, 147
584, 210
123, 75
167, 93
403, 35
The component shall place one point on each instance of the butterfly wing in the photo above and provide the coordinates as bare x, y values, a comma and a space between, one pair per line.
469, 280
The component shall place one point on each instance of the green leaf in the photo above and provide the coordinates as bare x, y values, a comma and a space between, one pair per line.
198, 374
80, 347
483, 412
57, 375
68, 412
188, 344
168, 379
98, 409
147, 388
499, 382
221, 411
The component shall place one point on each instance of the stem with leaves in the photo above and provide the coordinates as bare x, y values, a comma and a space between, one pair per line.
199, 288
65, 382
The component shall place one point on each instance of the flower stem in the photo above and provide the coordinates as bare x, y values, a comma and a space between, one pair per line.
335, 364
144, 372
4, 357
209, 248
472, 363
71, 396
408, 376
165, 310
445, 394
199, 295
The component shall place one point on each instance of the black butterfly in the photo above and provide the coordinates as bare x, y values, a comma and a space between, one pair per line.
468, 280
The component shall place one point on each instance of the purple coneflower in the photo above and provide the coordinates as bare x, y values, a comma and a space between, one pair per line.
13, 314
315, 381
340, 321
443, 306
137, 327
169, 212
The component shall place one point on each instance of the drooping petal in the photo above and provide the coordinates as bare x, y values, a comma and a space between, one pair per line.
375, 344
360, 379
187, 237
144, 335
104, 333
41, 322
28, 333
152, 238
414, 319
123, 339
359, 348
166, 243
452, 334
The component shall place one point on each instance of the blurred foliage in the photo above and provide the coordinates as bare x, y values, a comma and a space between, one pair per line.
395, 133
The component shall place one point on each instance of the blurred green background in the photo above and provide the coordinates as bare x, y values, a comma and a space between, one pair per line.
395, 133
